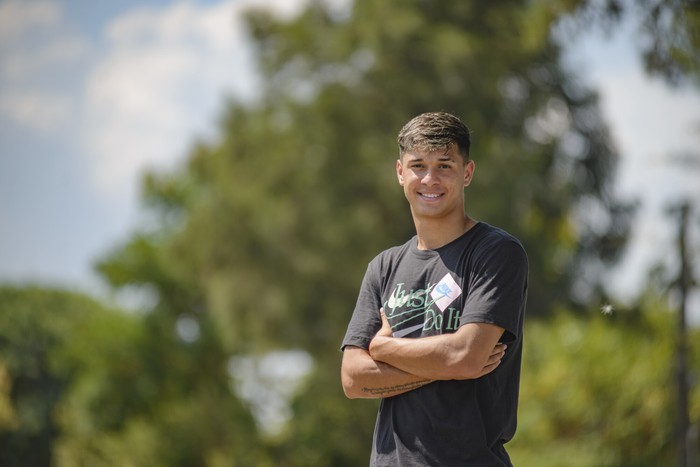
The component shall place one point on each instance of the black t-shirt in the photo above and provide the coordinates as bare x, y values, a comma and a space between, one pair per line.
481, 277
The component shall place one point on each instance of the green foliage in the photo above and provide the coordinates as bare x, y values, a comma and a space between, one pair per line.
43, 335
259, 242
265, 233
81, 385
84, 385
599, 390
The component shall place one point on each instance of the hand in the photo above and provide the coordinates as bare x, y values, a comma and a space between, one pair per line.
385, 332
494, 359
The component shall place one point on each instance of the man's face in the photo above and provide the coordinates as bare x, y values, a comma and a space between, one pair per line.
434, 181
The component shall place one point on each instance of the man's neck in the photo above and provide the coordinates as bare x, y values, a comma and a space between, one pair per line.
435, 233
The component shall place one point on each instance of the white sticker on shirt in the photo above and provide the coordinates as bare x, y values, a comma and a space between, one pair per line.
445, 292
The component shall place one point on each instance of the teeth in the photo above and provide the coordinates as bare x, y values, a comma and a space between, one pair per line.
429, 195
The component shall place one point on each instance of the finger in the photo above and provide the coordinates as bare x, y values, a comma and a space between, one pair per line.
496, 356
489, 368
492, 366
493, 359
385, 320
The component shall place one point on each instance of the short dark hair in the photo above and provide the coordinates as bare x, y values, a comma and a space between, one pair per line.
433, 131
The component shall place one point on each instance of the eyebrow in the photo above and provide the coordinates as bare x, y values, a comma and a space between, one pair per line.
443, 158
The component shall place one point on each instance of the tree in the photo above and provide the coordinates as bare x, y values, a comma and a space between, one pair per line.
597, 388
83, 385
259, 242
668, 31
265, 233
191, 414
37, 328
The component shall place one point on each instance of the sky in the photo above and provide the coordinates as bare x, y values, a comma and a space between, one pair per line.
92, 94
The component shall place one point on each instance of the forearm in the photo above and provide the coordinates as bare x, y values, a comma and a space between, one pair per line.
426, 357
469, 353
365, 378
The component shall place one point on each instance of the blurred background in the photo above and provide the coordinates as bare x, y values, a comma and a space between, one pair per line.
190, 192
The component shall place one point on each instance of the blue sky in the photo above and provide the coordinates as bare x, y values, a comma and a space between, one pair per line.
93, 93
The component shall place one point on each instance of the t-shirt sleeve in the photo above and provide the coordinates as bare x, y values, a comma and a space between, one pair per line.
365, 321
498, 287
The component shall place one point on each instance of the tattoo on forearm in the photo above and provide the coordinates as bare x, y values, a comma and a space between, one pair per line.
396, 388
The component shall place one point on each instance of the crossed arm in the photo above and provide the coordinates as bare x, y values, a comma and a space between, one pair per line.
393, 366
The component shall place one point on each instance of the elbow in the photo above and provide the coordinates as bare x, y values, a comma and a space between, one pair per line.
352, 369
353, 392
350, 386
348, 390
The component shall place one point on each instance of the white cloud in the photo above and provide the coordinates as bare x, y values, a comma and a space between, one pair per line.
160, 84
157, 83
23, 63
19, 18
36, 46
35, 38
652, 125
38, 109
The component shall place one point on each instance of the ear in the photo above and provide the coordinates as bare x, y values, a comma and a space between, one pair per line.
469, 168
399, 171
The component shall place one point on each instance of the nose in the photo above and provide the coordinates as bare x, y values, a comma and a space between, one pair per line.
430, 177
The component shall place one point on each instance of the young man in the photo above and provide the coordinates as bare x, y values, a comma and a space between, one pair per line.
434, 317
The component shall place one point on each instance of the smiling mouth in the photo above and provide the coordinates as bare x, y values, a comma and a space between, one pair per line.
430, 196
